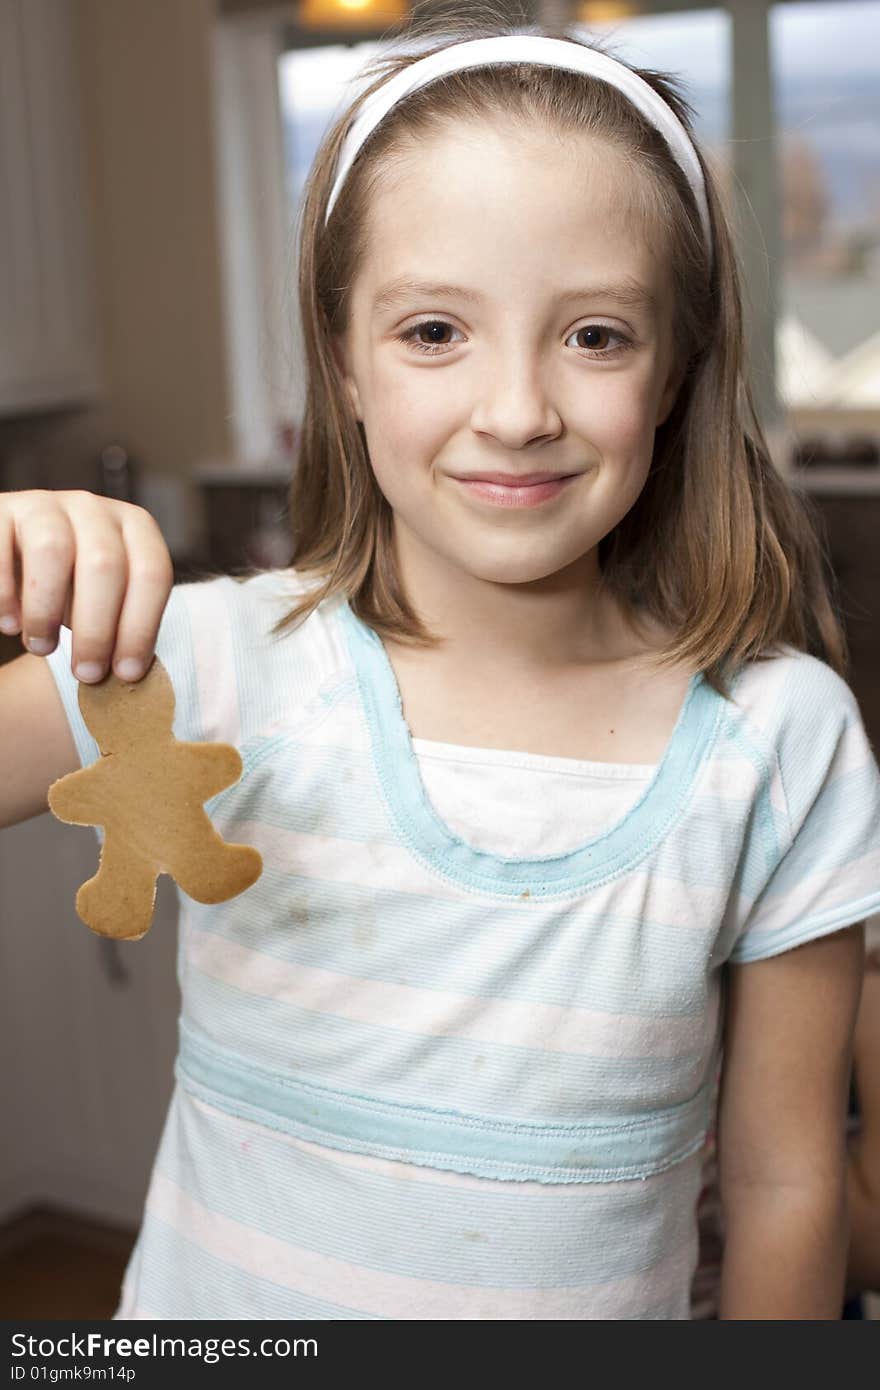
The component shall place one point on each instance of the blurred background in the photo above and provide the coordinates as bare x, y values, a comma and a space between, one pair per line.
152, 160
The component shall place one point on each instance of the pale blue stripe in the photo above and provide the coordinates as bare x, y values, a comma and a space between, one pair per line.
773, 831
180, 1280
810, 700
812, 715
563, 955
504, 1080
842, 826
492, 1236
633, 1147
710, 840
307, 790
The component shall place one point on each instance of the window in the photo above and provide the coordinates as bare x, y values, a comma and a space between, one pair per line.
825, 63
313, 84
694, 46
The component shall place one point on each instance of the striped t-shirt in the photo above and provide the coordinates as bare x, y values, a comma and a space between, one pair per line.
420, 1077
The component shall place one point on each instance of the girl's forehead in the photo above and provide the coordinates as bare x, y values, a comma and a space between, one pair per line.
507, 158
481, 202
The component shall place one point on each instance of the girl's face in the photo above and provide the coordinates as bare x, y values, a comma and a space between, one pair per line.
510, 318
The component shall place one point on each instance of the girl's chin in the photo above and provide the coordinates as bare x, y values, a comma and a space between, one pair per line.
515, 572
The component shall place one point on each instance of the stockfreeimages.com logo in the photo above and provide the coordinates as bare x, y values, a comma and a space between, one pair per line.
207, 1349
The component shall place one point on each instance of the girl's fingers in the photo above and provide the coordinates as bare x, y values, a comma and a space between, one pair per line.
99, 582
10, 622
99, 566
47, 547
150, 579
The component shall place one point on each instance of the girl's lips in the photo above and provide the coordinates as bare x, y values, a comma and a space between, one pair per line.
515, 495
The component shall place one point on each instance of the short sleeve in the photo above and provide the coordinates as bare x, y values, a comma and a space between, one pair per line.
820, 841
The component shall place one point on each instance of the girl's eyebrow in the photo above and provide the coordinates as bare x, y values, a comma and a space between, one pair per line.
627, 292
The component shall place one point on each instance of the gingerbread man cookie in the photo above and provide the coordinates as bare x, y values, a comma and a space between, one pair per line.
147, 791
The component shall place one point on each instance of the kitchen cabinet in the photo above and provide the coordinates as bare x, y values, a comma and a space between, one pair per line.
88, 1032
48, 331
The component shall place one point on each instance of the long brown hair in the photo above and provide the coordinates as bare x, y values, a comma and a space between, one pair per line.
717, 548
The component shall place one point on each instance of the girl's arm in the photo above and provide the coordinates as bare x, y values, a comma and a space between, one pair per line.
863, 1274
101, 568
781, 1129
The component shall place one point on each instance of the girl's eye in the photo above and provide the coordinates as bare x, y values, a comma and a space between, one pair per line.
428, 326
594, 340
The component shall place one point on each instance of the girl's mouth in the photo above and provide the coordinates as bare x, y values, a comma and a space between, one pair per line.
516, 493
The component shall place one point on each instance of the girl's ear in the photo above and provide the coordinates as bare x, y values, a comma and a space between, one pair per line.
340, 353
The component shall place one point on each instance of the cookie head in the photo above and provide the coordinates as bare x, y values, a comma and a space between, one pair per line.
117, 712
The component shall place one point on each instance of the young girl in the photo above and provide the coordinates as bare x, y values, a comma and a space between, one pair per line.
544, 737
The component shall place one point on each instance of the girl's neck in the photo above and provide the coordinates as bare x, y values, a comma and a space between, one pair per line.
567, 619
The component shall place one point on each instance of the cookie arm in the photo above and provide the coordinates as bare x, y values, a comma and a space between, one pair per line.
77, 798
211, 767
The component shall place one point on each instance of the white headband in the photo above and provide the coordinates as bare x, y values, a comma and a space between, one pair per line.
526, 48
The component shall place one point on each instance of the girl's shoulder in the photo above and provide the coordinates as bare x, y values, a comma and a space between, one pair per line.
794, 710
810, 850
786, 684
254, 601
229, 658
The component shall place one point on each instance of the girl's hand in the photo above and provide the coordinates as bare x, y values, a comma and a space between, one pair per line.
96, 565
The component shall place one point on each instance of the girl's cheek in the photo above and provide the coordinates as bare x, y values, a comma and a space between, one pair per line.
614, 416
417, 423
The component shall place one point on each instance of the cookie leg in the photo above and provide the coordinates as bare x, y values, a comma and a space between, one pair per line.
217, 871
119, 900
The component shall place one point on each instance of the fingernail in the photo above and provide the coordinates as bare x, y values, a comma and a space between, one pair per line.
89, 671
129, 669
9, 625
40, 646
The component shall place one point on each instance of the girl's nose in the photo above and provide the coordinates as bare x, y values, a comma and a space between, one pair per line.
513, 405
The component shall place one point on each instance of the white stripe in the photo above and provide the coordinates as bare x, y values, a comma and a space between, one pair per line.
853, 752
210, 625
761, 690
727, 779
735, 780
400, 1296
346, 729
372, 862
442, 1013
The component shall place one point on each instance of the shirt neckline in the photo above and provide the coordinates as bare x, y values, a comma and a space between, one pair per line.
434, 843
535, 762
